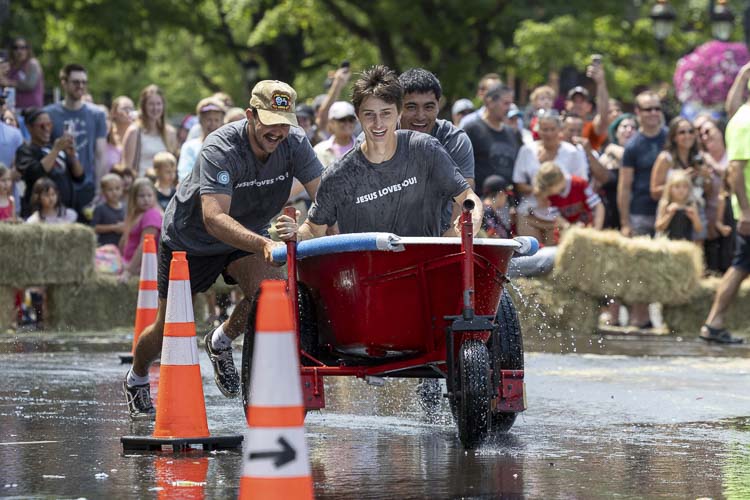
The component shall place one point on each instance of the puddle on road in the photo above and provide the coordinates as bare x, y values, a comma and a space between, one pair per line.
62, 416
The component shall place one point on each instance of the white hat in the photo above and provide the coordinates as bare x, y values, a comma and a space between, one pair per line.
340, 110
462, 105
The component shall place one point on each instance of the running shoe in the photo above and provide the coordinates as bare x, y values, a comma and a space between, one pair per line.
139, 402
225, 374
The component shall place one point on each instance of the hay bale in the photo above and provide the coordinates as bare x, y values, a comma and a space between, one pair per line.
46, 254
545, 306
687, 319
100, 303
635, 270
7, 308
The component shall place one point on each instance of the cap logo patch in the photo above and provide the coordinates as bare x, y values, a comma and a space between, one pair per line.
280, 101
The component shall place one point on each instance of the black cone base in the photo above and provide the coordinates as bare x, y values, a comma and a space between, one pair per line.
209, 443
126, 359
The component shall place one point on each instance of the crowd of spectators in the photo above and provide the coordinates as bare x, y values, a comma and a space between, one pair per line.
579, 159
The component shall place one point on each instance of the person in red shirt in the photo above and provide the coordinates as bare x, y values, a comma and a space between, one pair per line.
566, 199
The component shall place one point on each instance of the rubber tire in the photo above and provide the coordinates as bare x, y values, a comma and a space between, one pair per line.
506, 350
473, 403
308, 337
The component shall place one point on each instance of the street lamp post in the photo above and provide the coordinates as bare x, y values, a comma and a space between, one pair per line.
663, 16
722, 20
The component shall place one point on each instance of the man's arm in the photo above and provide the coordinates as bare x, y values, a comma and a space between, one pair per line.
312, 188
310, 230
737, 180
737, 91
624, 189
599, 216
223, 227
340, 79
601, 120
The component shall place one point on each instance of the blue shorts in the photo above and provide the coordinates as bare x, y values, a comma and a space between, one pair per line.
741, 258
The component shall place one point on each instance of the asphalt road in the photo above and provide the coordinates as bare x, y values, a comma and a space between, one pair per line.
632, 418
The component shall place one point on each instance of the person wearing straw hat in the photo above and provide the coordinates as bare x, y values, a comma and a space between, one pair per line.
221, 215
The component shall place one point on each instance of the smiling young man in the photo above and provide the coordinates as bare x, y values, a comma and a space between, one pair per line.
220, 216
395, 181
422, 92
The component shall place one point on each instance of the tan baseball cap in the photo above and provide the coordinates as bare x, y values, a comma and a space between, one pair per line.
275, 102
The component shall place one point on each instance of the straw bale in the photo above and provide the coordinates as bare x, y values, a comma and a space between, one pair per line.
100, 303
635, 270
544, 305
687, 319
7, 308
46, 254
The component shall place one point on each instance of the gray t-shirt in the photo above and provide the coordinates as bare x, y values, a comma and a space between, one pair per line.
404, 195
87, 125
104, 214
495, 151
227, 165
457, 144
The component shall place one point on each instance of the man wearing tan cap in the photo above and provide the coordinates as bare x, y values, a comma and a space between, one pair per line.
220, 216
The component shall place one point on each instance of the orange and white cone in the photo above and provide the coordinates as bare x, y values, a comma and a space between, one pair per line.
148, 294
181, 407
275, 460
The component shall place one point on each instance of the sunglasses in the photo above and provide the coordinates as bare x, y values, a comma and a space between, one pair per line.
79, 83
686, 131
650, 110
20, 47
346, 119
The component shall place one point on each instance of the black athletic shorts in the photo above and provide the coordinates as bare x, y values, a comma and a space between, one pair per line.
741, 258
204, 269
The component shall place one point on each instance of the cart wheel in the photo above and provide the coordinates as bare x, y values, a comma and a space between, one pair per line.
472, 404
308, 336
506, 347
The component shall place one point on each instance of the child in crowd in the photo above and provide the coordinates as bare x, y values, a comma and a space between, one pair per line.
7, 202
109, 216
45, 201
677, 214
497, 217
567, 199
165, 165
128, 177
48, 209
542, 99
144, 217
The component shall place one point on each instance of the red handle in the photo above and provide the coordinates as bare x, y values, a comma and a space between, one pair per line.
291, 266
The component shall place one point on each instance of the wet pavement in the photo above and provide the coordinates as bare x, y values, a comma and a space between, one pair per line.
607, 418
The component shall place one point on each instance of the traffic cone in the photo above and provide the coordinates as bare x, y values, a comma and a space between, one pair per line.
275, 461
181, 477
181, 408
148, 294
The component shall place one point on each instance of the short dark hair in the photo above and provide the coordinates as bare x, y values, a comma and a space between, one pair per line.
69, 68
421, 81
379, 81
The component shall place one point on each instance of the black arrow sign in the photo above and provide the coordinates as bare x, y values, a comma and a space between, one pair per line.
283, 456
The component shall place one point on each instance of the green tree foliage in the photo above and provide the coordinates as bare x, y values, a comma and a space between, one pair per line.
192, 48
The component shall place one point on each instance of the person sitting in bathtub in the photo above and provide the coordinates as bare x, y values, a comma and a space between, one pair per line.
396, 181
